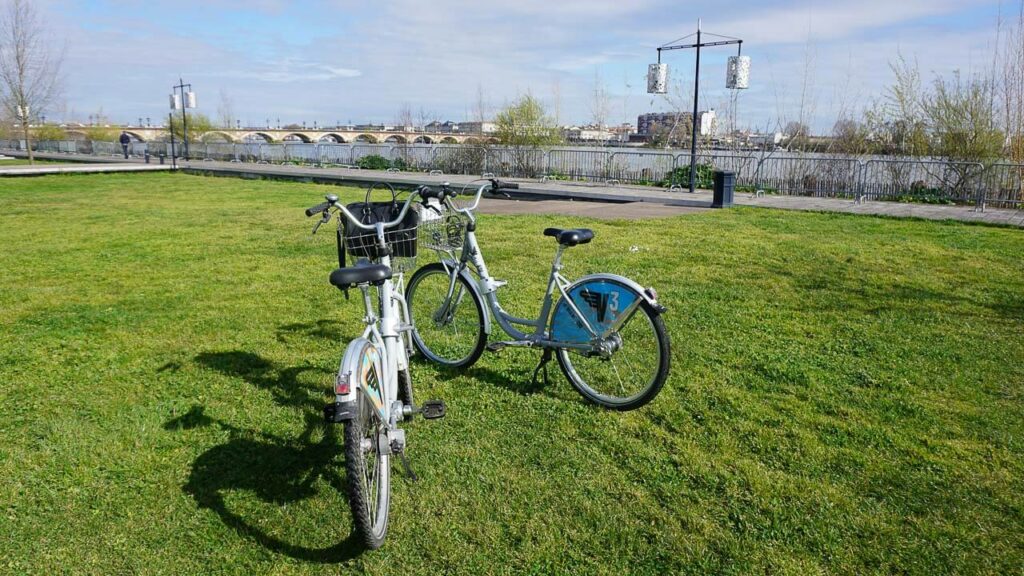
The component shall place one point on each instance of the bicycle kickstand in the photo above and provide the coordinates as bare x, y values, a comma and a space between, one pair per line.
542, 366
405, 464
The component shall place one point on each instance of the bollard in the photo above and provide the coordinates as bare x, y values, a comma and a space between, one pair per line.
725, 185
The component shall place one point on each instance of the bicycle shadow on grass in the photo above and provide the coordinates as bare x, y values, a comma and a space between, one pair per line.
519, 379
276, 470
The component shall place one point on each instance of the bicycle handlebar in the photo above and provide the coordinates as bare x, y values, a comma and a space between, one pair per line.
317, 209
332, 202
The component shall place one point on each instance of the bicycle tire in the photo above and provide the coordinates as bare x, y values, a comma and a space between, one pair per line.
428, 336
570, 363
405, 387
368, 471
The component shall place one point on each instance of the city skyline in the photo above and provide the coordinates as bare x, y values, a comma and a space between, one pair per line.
340, 61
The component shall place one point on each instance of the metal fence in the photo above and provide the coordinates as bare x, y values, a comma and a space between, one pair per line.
820, 175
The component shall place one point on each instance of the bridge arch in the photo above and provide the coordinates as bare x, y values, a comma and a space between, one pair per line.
423, 140
367, 138
297, 136
214, 136
256, 137
332, 137
449, 140
134, 136
396, 139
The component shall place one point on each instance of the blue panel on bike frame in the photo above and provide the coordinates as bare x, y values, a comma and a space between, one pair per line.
601, 303
369, 380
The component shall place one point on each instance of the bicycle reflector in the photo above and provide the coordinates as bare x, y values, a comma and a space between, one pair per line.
342, 384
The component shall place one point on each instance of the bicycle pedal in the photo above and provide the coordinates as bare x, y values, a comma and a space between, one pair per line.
495, 346
433, 409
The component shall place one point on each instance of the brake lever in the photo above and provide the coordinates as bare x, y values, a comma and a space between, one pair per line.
324, 220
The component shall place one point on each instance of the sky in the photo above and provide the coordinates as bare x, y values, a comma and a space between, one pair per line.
344, 61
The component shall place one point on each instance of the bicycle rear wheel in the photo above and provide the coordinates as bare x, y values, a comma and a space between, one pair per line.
449, 331
368, 470
633, 374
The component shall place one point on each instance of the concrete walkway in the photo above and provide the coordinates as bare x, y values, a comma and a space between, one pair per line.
535, 189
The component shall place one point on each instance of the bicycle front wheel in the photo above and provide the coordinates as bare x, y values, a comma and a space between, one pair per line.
369, 472
449, 328
633, 374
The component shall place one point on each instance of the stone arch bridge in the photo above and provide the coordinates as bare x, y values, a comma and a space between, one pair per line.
142, 134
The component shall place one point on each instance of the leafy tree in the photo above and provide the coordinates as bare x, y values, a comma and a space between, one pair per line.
524, 127
101, 134
49, 132
962, 120
851, 137
525, 123
198, 124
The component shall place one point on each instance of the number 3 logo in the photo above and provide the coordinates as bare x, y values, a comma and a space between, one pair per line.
613, 302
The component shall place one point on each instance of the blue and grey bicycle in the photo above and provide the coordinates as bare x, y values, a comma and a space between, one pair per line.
605, 330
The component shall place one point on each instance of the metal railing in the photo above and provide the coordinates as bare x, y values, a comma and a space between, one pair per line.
819, 175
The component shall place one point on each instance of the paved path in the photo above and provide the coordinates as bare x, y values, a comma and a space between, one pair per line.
628, 211
590, 191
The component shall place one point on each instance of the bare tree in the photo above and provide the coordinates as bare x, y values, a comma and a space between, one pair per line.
1012, 88
29, 67
403, 119
480, 110
600, 103
226, 111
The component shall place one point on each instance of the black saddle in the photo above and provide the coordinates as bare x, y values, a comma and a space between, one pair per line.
345, 278
570, 237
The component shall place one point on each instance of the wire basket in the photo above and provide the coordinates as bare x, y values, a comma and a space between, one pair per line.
441, 229
401, 241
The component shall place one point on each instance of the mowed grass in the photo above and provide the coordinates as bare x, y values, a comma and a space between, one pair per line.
846, 397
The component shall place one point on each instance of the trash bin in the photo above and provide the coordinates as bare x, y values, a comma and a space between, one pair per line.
725, 184
146, 156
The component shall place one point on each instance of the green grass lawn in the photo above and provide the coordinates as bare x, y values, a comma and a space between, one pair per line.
846, 397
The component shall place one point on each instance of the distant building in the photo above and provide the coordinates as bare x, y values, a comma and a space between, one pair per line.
477, 127
449, 127
588, 134
707, 123
648, 124
680, 123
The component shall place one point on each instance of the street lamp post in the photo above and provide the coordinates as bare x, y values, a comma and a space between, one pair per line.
187, 100
657, 85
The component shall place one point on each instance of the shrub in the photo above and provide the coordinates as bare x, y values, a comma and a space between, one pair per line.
681, 176
373, 162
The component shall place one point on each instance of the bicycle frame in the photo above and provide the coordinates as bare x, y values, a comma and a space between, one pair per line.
488, 287
385, 334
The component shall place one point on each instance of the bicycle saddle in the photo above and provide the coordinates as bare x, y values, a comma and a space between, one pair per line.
570, 237
345, 278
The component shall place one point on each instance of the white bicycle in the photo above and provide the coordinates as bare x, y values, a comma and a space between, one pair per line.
373, 388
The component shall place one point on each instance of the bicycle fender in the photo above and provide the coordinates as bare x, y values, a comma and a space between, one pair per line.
648, 294
360, 370
471, 281
598, 303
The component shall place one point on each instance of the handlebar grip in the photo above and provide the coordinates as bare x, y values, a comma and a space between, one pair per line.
318, 208
499, 185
